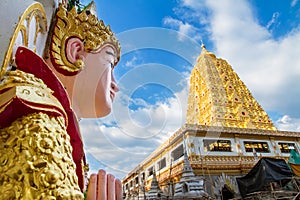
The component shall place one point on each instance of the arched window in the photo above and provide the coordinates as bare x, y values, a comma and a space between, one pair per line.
185, 188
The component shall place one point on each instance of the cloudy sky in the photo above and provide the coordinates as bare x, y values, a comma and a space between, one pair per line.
160, 43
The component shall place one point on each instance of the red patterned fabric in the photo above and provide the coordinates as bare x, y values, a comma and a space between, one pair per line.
30, 62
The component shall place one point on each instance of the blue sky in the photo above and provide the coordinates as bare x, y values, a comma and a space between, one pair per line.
160, 43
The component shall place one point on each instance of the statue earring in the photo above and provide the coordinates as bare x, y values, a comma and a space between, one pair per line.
79, 64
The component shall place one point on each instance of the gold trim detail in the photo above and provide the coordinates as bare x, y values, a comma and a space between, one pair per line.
29, 88
35, 10
36, 160
84, 26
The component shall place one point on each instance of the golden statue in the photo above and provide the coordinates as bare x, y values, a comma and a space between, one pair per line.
41, 99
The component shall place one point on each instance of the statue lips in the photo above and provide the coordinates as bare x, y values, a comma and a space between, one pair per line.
112, 95
114, 88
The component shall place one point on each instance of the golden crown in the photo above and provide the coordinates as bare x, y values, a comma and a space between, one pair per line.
86, 27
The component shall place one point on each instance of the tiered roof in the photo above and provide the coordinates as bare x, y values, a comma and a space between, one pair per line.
218, 97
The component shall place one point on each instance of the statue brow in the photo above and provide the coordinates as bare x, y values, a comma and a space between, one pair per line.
110, 53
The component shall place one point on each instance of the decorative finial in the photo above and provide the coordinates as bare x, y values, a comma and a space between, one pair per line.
91, 7
202, 45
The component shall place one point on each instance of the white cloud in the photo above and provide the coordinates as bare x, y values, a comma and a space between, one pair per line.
138, 102
193, 4
275, 17
270, 68
287, 123
132, 62
183, 28
293, 3
126, 137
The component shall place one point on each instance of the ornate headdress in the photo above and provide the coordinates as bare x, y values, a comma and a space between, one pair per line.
87, 28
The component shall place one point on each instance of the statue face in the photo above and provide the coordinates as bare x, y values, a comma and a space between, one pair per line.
93, 90
101, 64
85, 73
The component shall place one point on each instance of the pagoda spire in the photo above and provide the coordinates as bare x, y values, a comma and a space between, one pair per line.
189, 186
155, 191
218, 97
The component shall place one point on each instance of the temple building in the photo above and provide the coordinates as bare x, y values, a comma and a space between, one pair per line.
225, 133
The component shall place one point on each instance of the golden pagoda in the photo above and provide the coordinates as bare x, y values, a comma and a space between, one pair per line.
218, 97
225, 133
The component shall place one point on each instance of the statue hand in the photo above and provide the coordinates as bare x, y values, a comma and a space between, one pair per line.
104, 186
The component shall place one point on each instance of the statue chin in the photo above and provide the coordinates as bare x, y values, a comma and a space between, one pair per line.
103, 113
88, 111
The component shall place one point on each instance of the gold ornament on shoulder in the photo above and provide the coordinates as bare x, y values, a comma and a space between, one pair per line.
84, 26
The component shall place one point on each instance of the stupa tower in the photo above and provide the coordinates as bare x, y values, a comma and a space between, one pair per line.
225, 133
218, 97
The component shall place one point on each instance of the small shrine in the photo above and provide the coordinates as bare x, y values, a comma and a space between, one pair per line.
189, 186
155, 192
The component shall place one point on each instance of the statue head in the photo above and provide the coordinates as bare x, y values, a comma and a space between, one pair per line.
84, 27
83, 52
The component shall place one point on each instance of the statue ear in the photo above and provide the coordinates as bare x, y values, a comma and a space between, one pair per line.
74, 50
